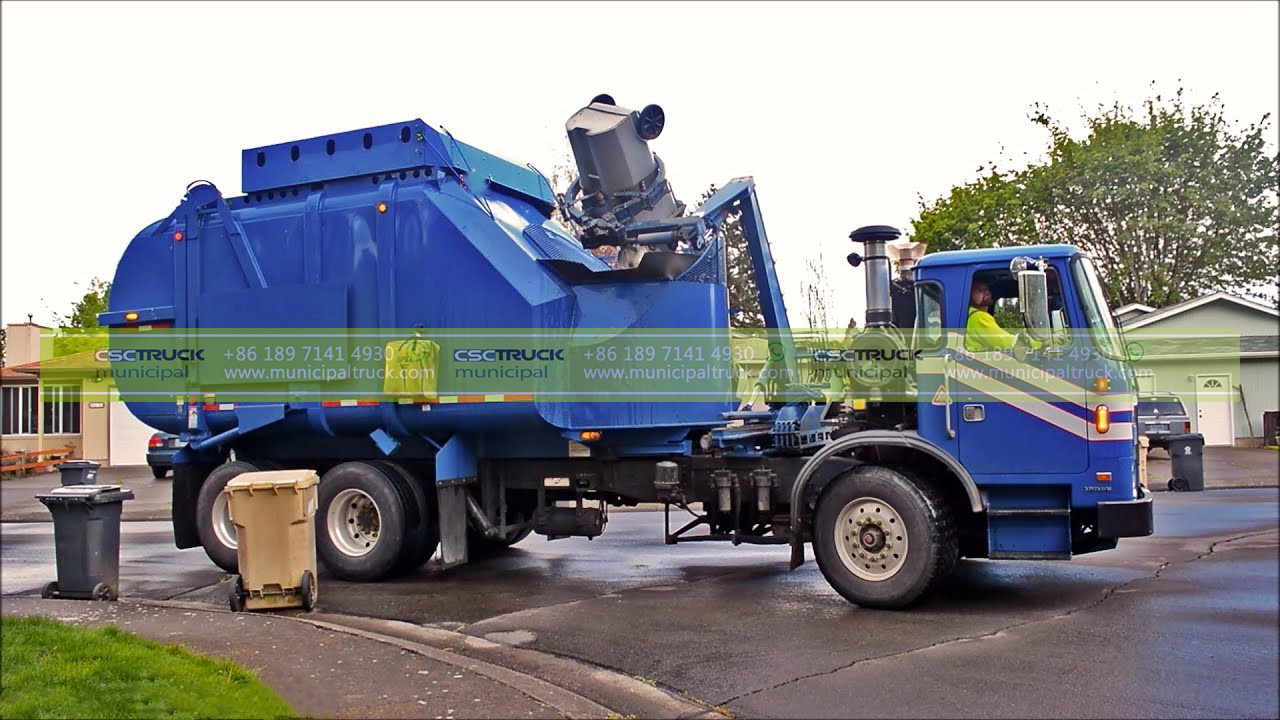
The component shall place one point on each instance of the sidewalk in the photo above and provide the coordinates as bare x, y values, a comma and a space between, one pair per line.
1224, 467
325, 669
152, 498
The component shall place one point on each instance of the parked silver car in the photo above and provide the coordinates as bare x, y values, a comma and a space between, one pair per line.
1160, 415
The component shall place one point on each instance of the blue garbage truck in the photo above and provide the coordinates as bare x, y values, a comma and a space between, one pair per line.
892, 452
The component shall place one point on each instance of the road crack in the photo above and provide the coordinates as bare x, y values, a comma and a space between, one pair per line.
1106, 595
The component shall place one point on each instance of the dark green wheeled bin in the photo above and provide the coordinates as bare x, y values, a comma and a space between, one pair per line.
86, 533
78, 472
1186, 455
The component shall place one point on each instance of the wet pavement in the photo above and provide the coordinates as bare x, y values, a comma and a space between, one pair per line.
1181, 624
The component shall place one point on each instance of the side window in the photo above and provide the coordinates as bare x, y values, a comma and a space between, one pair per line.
928, 334
1007, 311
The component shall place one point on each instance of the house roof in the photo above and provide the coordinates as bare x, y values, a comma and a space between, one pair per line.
1184, 306
8, 374
77, 361
1134, 307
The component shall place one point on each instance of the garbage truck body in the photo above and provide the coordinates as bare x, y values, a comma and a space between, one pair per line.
889, 479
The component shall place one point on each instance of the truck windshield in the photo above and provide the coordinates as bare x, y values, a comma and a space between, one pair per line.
1096, 311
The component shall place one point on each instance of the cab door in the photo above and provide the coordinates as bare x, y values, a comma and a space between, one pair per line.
1018, 415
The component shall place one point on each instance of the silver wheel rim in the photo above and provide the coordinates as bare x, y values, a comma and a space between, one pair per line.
223, 528
354, 523
871, 539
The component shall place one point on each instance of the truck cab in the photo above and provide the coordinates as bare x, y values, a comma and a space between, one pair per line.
1044, 424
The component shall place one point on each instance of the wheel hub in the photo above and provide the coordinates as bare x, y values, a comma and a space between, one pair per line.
354, 522
871, 538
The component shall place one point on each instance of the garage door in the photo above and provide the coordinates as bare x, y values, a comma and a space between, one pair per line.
129, 437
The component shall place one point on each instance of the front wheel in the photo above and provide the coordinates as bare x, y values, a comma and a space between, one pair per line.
882, 540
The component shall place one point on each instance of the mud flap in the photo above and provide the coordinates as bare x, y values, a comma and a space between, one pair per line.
455, 469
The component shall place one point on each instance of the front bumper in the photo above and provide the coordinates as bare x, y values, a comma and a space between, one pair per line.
1126, 518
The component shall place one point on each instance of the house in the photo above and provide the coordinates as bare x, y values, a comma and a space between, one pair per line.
59, 402
1219, 353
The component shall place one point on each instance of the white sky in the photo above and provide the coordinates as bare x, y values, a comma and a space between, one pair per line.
843, 113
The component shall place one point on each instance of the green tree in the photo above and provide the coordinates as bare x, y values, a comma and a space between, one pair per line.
84, 313
744, 297
1173, 202
79, 330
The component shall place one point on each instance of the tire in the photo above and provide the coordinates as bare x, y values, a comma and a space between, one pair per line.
159, 472
50, 591
307, 588
360, 529
1179, 485
217, 536
880, 503
423, 537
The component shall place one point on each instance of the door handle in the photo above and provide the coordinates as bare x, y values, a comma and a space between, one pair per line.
974, 413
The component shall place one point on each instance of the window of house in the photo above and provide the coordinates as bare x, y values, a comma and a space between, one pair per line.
19, 410
62, 410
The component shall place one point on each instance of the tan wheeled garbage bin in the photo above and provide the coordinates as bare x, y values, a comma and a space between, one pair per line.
274, 514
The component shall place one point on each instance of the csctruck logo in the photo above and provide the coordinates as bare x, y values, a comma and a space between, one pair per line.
507, 355
861, 354
148, 355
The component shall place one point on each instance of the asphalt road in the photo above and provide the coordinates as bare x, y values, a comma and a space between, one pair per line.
1183, 624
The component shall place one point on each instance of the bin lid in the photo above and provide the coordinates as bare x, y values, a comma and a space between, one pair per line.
93, 494
274, 480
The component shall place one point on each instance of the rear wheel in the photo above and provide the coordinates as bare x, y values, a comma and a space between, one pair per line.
159, 472
422, 537
881, 540
213, 522
361, 529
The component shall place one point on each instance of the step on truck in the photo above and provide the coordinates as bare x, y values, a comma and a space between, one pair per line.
892, 452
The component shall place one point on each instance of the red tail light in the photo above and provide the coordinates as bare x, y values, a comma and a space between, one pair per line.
155, 441
1186, 427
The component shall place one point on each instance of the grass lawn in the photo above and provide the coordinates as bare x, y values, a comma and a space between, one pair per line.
52, 670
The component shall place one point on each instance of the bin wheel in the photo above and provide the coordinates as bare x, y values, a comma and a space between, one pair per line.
1179, 485
103, 591
49, 591
307, 588
237, 595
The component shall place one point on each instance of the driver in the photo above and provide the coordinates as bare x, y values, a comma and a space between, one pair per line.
981, 330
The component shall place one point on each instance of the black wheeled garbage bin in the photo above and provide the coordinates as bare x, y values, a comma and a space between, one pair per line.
86, 534
78, 472
1186, 455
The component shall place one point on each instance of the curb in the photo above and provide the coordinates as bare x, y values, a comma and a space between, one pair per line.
626, 695
538, 675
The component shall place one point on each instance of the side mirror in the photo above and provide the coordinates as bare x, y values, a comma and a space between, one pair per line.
1033, 298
